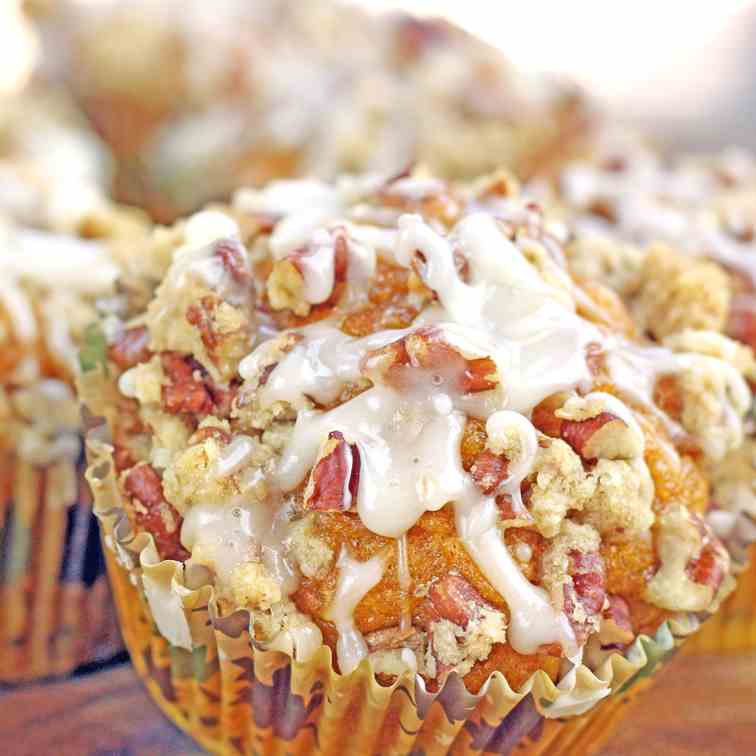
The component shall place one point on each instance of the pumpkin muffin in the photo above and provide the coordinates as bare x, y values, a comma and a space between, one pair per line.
379, 417
197, 99
56, 227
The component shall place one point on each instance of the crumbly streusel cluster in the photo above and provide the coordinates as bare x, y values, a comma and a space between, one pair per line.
380, 414
675, 238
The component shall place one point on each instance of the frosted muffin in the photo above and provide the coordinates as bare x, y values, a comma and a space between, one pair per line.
378, 419
197, 101
674, 236
56, 610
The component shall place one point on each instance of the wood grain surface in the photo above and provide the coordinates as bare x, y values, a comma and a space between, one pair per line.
700, 705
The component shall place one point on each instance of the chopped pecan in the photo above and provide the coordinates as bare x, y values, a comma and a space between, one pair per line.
185, 392
130, 348
603, 208
453, 598
603, 436
407, 362
143, 483
153, 513
191, 397
335, 478
584, 597
544, 415
668, 396
234, 258
122, 458
392, 638
616, 623
510, 510
200, 316
489, 470
595, 358
741, 324
712, 563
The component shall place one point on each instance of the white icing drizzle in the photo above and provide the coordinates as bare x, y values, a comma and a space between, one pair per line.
356, 579
518, 467
234, 456
408, 439
409, 455
533, 620
224, 537
195, 257
317, 268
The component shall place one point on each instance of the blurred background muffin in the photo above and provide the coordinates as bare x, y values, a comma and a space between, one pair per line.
56, 224
197, 100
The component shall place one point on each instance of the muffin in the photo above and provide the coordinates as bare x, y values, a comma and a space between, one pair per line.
371, 452
57, 614
675, 237
199, 101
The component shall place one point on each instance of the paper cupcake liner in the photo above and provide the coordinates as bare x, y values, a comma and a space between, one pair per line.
56, 613
733, 627
215, 682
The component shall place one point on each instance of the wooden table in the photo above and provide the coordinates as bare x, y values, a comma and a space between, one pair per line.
108, 714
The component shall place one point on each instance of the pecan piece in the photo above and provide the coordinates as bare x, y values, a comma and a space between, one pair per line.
510, 510
604, 435
584, 596
153, 513
489, 470
668, 396
453, 598
130, 348
712, 563
616, 624
424, 355
234, 258
335, 478
185, 392
200, 316
741, 324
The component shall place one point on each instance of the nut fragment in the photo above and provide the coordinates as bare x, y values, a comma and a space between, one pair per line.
488, 471
425, 355
131, 348
584, 596
595, 434
335, 478
741, 324
153, 513
616, 624
234, 259
454, 599
186, 392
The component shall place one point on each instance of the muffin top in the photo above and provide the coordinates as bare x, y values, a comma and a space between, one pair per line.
209, 99
380, 414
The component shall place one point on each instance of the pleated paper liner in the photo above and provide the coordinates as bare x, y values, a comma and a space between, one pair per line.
56, 613
733, 627
217, 684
